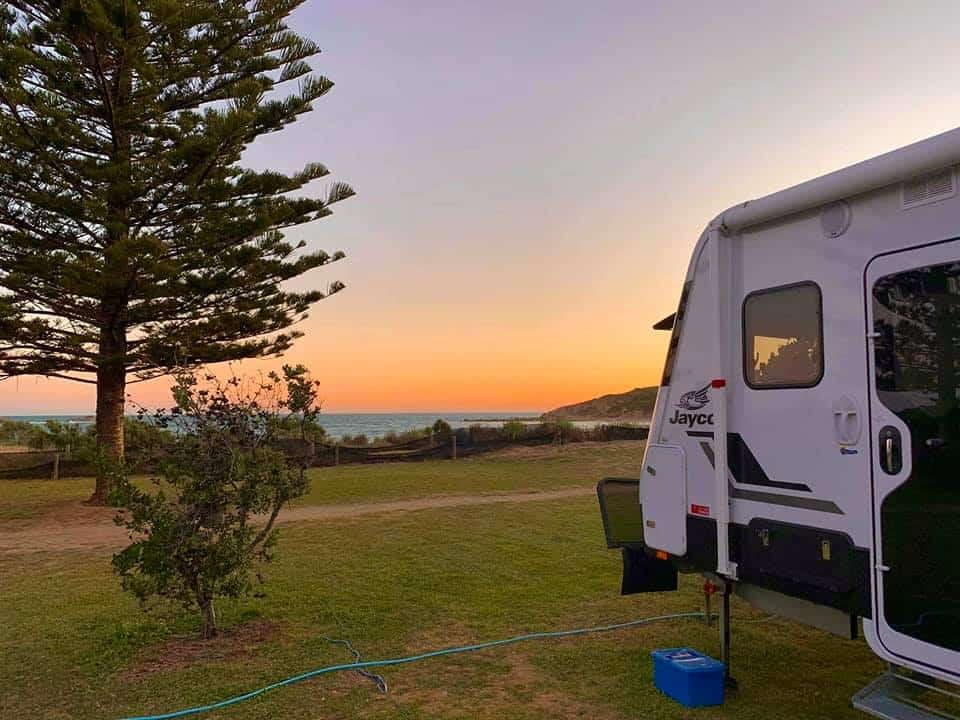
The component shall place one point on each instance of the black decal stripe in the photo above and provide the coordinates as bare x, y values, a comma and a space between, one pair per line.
708, 451
747, 470
786, 500
826, 506
745, 467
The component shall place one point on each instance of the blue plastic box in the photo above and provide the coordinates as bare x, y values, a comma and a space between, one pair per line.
689, 677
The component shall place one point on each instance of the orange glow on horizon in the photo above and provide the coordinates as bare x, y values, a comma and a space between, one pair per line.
521, 377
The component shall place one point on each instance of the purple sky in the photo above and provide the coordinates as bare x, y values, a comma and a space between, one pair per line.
532, 175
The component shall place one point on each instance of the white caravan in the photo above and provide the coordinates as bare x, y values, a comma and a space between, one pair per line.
818, 338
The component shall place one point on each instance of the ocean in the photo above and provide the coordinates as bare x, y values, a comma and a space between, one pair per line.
373, 425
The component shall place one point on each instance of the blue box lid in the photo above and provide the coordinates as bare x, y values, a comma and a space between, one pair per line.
688, 660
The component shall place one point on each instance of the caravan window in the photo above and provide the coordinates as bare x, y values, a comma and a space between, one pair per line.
783, 337
675, 335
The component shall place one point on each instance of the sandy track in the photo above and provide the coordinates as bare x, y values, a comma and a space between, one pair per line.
88, 528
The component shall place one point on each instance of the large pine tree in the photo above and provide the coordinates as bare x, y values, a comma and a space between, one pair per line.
132, 240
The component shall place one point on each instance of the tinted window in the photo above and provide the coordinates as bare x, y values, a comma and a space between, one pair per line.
916, 321
782, 342
675, 335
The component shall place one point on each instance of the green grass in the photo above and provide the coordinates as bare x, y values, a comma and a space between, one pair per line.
29, 499
397, 584
534, 469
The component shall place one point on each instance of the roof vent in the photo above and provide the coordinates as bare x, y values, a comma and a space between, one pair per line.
930, 188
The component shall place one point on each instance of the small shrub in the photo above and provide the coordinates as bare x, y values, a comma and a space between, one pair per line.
400, 438
514, 430
442, 429
359, 440
295, 427
16, 432
194, 536
39, 437
64, 437
144, 442
406, 436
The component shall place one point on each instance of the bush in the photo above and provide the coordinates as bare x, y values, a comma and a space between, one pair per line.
295, 427
395, 438
143, 439
359, 440
195, 535
145, 442
65, 438
442, 429
514, 430
16, 432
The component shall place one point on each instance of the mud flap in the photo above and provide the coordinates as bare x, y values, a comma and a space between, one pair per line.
643, 573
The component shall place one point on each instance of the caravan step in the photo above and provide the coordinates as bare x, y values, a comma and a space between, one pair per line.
898, 695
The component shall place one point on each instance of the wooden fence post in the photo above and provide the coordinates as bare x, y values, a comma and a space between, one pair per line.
453, 443
56, 466
336, 453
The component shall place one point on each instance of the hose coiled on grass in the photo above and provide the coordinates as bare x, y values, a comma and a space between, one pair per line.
409, 659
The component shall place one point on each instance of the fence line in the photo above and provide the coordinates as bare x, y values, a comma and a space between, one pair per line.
460, 443
464, 443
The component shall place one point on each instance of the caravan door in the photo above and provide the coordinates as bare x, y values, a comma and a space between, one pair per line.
913, 329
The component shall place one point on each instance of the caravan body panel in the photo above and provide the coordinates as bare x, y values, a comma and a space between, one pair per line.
802, 411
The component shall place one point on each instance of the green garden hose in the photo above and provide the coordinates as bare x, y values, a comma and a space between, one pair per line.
409, 659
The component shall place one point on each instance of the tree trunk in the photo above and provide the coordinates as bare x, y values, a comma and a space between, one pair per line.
111, 400
208, 618
114, 302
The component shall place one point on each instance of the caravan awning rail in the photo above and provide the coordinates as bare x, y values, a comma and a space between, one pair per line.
920, 158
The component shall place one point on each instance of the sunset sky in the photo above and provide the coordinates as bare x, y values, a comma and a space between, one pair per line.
532, 175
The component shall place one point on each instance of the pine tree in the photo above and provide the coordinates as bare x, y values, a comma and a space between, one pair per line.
132, 239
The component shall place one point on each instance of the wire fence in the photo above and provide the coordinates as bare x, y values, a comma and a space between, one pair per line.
460, 443
465, 442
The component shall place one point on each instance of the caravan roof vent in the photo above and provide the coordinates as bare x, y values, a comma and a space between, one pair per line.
930, 188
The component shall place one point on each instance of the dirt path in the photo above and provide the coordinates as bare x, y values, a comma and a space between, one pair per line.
88, 528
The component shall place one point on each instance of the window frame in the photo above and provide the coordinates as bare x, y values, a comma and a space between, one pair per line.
673, 346
743, 336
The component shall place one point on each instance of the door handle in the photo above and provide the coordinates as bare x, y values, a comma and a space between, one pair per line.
891, 450
846, 421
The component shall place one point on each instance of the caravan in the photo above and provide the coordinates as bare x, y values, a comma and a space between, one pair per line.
804, 451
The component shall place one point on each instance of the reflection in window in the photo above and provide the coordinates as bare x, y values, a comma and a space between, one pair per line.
782, 337
916, 318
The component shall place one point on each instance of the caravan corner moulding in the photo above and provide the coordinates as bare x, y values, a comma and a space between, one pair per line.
805, 446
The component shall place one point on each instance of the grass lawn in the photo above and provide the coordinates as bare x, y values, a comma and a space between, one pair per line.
73, 646
527, 469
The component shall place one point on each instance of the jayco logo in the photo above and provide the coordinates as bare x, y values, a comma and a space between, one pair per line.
693, 400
